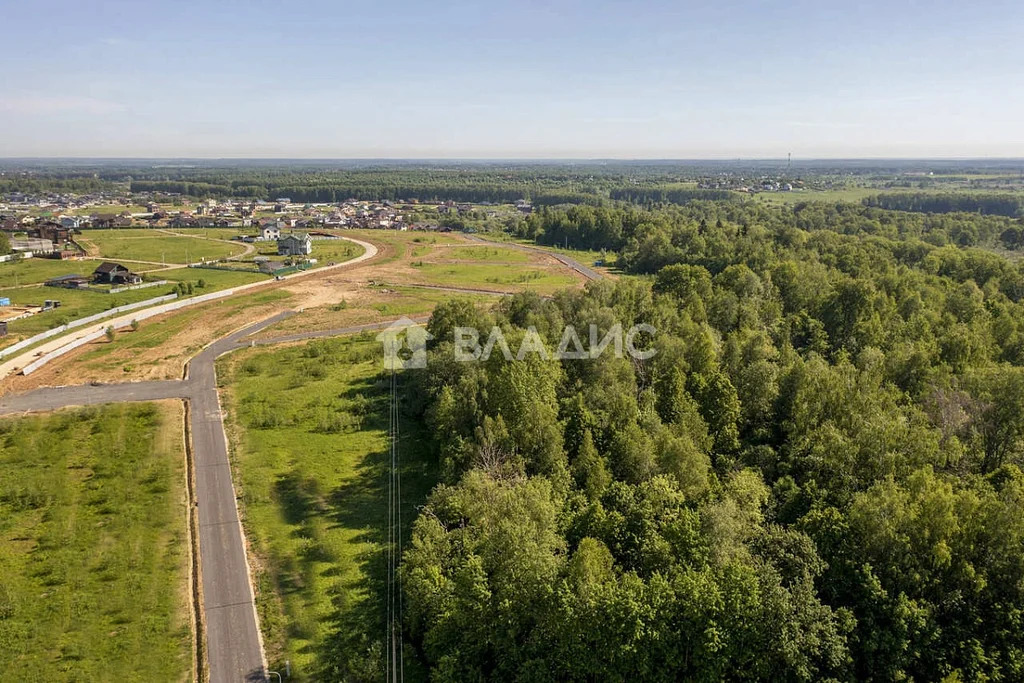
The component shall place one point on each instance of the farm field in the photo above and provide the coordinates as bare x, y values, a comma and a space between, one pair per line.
151, 245
308, 427
94, 546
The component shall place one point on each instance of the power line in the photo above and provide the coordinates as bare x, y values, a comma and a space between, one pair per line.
395, 659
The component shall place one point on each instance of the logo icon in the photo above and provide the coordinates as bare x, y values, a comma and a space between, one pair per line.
405, 344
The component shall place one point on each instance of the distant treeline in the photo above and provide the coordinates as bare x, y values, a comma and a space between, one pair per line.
424, 185
32, 184
947, 202
668, 195
341, 191
651, 239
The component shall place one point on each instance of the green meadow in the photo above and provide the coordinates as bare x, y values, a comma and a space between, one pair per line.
151, 245
94, 546
493, 276
308, 427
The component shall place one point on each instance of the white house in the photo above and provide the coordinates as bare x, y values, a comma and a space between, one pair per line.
271, 231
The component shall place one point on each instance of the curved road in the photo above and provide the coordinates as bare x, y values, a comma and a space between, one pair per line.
58, 343
234, 646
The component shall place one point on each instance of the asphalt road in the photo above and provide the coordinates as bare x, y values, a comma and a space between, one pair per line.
234, 646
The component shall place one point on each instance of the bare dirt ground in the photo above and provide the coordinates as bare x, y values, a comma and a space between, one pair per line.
377, 289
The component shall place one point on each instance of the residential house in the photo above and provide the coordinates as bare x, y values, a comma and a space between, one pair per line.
271, 231
114, 274
295, 245
182, 221
53, 232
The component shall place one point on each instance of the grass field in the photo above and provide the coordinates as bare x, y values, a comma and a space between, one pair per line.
214, 233
585, 256
385, 301
850, 194
150, 245
493, 276
214, 279
308, 428
108, 210
74, 304
38, 270
483, 253
94, 546
398, 240
123, 353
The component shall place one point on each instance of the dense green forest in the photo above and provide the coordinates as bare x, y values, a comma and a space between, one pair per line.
947, 202
817, 477
653, 238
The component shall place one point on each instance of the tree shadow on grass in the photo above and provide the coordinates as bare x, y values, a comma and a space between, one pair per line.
355, 649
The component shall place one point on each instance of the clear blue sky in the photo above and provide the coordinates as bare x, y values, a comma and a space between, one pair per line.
487, 78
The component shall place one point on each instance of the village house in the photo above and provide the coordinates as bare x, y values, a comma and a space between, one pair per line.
108, 273
295, 245
52, 231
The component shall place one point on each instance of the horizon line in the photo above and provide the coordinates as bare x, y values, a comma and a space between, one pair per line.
729, 159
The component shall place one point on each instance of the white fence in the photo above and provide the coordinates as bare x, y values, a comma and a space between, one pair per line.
144, 285
15, 257
43, 360
24, 343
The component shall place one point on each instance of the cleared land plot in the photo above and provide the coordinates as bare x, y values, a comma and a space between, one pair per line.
483, 253
74, 304
213, 233
153, 245
159, 348
94, 546
214, 278
374, 304
108, 210
308, 426
38, 270
472, 275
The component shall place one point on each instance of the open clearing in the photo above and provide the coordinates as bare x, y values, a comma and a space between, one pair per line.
152, 245
94, 546
308, 426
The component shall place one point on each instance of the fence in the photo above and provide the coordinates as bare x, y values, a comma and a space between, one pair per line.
93, 336
115, 290
24, 343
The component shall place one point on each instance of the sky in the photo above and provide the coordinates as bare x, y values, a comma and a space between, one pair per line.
526, 79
